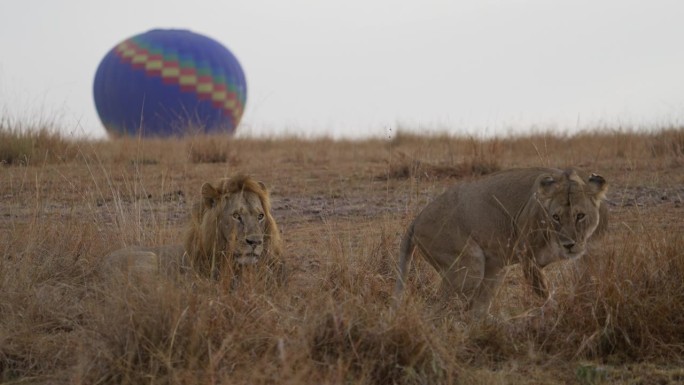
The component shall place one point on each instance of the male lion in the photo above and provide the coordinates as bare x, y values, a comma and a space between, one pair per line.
231, 226
534, 216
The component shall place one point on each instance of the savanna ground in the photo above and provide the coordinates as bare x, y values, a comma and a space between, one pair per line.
342, 207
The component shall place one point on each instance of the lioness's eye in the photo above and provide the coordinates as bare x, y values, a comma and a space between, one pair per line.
236, 216
556, 217
580, 216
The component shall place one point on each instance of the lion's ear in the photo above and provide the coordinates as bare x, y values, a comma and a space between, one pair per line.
547, 186
262, 184
598, 186
209, 195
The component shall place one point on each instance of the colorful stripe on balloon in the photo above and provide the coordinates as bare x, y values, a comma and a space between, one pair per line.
184, 73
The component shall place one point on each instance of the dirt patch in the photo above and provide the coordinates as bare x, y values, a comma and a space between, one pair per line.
642, 196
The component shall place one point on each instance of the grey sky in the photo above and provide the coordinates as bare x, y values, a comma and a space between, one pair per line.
356, 68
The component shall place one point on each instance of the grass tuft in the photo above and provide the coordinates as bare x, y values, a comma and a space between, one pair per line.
407, 168
669, 142
211, 149
22, 144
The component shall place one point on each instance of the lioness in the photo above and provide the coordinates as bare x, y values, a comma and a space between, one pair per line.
230, 227
534, 216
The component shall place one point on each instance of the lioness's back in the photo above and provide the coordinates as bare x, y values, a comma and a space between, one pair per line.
482, 205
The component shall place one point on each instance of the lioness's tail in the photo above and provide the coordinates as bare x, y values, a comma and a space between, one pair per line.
406, 250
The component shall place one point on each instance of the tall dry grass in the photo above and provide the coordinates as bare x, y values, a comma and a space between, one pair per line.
38, 142
615, 319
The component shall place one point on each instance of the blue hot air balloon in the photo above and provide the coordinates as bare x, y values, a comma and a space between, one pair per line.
169, 82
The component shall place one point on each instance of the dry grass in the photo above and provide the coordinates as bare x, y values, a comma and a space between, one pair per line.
668, 142
33, 143
342, 207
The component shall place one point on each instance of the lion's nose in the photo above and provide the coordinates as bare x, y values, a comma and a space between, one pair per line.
254, 241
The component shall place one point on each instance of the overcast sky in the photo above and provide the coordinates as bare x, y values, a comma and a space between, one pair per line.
358, 68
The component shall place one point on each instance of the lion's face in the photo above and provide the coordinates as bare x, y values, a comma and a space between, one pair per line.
571, 212
241, 223
244, 221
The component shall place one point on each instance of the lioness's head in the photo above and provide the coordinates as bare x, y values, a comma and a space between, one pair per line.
571, 209
233, 222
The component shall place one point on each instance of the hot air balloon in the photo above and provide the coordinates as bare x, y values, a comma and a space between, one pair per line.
169, 82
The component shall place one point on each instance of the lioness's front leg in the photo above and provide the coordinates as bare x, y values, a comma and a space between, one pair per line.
536, 278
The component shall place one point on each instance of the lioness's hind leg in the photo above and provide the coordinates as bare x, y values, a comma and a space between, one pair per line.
465, 274
490, 283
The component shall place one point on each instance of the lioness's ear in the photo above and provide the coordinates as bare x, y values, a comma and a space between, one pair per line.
209, 195
547, 186
598, 186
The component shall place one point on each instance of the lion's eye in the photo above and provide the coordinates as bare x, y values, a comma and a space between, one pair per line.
580, 216
556, 217
237, 217
261, 217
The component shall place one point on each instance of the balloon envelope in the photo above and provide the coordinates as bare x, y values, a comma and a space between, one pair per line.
169, 82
